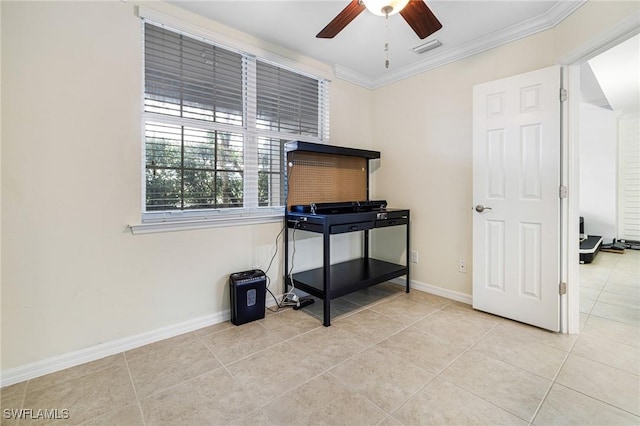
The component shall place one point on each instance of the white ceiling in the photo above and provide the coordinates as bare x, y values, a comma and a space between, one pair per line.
357, 52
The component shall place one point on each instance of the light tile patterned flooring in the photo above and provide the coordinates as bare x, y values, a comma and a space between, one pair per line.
390, 358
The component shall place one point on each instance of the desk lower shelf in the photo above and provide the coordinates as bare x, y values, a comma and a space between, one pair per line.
347, 277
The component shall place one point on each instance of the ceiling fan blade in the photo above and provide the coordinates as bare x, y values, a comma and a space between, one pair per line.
420, 18
338, 23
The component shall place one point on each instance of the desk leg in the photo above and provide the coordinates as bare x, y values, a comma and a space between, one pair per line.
326, 254
366, 244
408, 256
286, 255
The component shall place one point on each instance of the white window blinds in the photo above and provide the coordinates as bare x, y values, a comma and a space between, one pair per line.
216, 121
287, 102
190, 78
629, 177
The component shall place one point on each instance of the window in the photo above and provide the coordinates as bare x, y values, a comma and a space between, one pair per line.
216, 121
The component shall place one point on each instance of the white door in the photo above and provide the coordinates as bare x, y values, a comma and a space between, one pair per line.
516, 181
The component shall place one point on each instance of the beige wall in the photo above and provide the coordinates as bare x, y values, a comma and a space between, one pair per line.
351, 106
74, 277
423, 126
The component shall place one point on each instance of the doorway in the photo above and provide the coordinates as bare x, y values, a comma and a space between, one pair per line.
575, 60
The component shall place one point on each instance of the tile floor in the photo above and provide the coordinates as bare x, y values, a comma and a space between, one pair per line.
390, 358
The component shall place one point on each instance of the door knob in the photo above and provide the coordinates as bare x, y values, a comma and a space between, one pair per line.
480, 208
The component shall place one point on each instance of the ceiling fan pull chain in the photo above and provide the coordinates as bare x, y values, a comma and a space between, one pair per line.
386, 43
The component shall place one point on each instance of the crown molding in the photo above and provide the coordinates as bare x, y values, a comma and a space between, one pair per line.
347, 74
546, 21
622, 31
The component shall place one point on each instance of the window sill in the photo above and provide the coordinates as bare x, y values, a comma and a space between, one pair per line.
189, 225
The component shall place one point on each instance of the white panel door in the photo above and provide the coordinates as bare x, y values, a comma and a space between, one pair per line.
516, 180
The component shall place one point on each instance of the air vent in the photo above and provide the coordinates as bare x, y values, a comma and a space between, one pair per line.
425, 47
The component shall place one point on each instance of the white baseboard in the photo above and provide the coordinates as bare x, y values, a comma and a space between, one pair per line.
435, 290
51, 365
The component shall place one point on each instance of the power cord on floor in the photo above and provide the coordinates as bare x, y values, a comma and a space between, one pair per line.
266, 273
283, 302
290, 293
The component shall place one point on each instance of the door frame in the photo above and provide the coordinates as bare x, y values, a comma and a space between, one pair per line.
570, 271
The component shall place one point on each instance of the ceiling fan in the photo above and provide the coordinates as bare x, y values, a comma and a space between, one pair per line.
415, 12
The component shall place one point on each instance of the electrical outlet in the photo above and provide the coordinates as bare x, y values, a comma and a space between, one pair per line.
462, 266
414, 256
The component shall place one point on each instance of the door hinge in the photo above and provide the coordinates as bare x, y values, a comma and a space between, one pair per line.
564, 191
564, 95
563, 289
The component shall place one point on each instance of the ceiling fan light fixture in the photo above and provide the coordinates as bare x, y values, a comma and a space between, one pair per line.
385, 7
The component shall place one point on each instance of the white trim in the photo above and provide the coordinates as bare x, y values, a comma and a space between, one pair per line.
188, 225
623, 30
347, 74
435, 290
92, 353
572, 164
51, 365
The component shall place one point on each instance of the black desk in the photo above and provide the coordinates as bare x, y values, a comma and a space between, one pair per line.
332, 281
